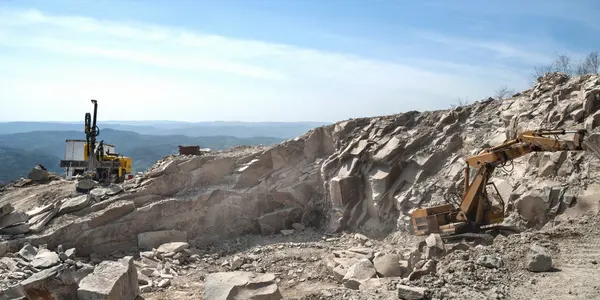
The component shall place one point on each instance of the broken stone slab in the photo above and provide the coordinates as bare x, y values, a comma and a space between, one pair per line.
143, 279
173, 247
45, 259
37, 222
99, 193
6, 209
70, 253
111, 280
241, 285
359, 273
406, 292
74, 204
28, 252
114, 189
41, 209
165, 168
13, 218
153, 239
112, 212
538, 259
15, 229
54, 283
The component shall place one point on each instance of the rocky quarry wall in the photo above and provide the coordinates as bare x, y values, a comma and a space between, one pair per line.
367, 172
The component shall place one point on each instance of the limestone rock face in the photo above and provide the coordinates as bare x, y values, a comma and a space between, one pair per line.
368, 172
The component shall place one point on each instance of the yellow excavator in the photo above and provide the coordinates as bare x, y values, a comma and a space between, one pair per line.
101, 165
476, 212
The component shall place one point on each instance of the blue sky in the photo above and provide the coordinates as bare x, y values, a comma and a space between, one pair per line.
277, 60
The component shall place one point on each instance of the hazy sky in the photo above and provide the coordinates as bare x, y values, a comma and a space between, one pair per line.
277, 60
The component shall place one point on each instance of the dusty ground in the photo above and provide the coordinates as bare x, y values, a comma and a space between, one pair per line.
297, 262
578, 268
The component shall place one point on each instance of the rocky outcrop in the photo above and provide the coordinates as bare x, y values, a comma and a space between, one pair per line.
366, 172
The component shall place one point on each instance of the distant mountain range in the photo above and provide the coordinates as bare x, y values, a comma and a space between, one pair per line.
283, 130
19, 152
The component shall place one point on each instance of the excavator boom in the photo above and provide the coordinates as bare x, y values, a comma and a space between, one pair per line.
475, 209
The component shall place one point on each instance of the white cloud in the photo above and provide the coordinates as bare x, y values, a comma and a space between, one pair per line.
501, 49
145, 71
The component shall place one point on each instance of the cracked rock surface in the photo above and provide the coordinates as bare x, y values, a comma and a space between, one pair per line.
324, 215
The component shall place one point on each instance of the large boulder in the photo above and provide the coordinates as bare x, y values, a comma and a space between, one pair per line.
359, 273
53, 283
240, 285
388, 265
38, 173
13, 218
538, 259
537, 207
111, 280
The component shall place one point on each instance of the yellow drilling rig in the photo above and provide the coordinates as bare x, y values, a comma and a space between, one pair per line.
100, 165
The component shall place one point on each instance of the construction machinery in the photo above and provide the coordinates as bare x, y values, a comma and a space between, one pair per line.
100, 164
480, 209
